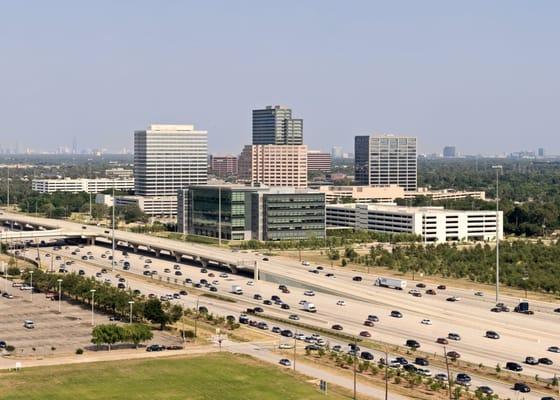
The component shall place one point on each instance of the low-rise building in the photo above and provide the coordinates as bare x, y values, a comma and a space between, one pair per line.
154, 206
248, 212
433, 224
224, 166
317, 161
81, 185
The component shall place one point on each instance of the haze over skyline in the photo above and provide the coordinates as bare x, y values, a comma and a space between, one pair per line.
482, 76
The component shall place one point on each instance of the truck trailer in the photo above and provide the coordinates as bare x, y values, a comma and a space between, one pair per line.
399, 284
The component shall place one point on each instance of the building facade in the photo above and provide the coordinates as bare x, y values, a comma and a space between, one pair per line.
393, 161
361, 194
224, 166
119, 173
317, 161
361, 160
433, 224
275, 125
245, 213
274, 165
168, 157
449, 152
81, 185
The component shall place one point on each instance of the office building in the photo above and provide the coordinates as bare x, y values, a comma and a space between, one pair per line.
274, 165
318, 161
540, 152
449, 152
337, 152
275, 125
433, 224
245, 213
81, 185
361, 160
119, 173
223, 166
393, 161
169, 157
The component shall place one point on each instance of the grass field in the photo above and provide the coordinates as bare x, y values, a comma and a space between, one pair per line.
216, 376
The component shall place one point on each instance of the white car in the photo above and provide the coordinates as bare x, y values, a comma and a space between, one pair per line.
250, 283
299, 336
224, 275
306, 263
286, 346
426, 322
340, 303
413, 291
309, 293
423, 372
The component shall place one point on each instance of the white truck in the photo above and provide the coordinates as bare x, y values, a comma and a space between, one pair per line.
309, 307
392, 283
236, 289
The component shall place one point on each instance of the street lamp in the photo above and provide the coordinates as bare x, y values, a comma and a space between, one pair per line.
92, 302
498, 169
131, 303
525, 279
31, 284
59, 294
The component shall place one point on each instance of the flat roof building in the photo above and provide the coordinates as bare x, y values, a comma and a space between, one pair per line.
275, 125
224, 166
433, 224
70, 185
318, 161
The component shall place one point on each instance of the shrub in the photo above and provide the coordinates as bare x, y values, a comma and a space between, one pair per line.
79, 351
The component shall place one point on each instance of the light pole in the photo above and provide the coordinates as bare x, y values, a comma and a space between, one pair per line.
498, 169
525, 279
131, 303
31, 284
92, 302
355, 357
113, 224
59, 294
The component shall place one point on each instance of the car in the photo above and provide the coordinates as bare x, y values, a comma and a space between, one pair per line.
155, 347
423, 372
365, 334
487, 390
309, 293
276, 329
453, 299
492, 335
410, 368
166, 270
224, 275
513, 366
275, 298
554, 349
413, 291
174, 347
442, 340
480, 294
28, 324
401, 360
413, 344
421, 285
431, 292
7, 295
453, 354
369, 323
545, 361
531, 360
366, 355
114, 318
265, 259
81, 272
285, 346
311, 347
557, 310
421, 361
330, 275
178, 273
357, 278
285, 306
250, 283
287, 333
521, 387
213, 288
176, 295
454, 336
263, 326
294, 317
299, 336
121, 285
340, 303
441, 377
396, 314
320, 267
337, 327
547, 398
305, 263
3, 344
417, 294
146, 273
463, 379
257, 297
267, 302
426, 322
336, 348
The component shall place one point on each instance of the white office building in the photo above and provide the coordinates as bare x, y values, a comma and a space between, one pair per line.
393, 161
81, 185
433, 224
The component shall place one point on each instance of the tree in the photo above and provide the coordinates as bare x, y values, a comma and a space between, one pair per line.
154, 312
138, 333
132, 213
107, 333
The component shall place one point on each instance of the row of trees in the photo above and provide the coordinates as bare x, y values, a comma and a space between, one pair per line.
525, 265
111, 333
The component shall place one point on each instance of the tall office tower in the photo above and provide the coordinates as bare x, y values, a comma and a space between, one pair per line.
393, 161
169, 157
336, 152
449, 152
275, 125
223, 166
540, 152
317, 161
274, 165
361, 160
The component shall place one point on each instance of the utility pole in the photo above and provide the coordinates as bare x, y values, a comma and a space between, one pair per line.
196, 318
386, 374
220, 216
449, 380
498, 169
355, 357
295, 347
8, 191
113, 224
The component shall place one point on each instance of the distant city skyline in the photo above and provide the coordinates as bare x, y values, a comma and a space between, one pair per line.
469, 74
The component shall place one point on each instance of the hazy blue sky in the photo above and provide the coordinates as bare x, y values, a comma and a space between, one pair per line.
483, 75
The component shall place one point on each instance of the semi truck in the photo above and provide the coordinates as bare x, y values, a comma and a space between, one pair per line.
392, 283
523, 308
236, 289
309, 307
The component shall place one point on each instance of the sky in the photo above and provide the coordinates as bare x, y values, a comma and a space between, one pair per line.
483, 75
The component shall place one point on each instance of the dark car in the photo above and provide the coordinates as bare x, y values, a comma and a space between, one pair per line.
367, 322
401, 360
287, 333
421, 361
413, 344
276, 329
285, 306
203, 270
410, 368
178, 273
442, 340
545, 361
492, 335
357, 278
258, 309
183, 293
373, 318
421, 285
337, 327
513, 366
431, 292
267, 302
487, 390
366, 355
396, 314
453, 354
521, 387
243, 319
155, 347
463, 379
265, 259
442, 287
365, 334
257, 297
213, 289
